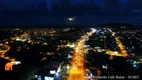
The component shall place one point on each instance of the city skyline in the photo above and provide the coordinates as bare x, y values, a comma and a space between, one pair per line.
89, 53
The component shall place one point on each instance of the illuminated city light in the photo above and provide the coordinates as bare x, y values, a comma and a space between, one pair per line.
9, 65
134, 65
71, 46
36, 76
68, 67
77, 71
93, 30
52, 71
104, 67
48, 78
18, 39
115, 52
16, 62
134, 62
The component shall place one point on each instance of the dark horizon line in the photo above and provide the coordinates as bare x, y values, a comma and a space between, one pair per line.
117, 24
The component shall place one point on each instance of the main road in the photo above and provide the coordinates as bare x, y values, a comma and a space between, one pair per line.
12, 61
122, 53
3, 52
77, 70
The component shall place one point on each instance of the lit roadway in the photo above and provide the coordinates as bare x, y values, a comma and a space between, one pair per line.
9, 65
77, 71
123, 52
77, 65
2, 53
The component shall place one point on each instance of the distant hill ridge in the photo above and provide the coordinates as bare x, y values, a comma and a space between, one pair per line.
116, 25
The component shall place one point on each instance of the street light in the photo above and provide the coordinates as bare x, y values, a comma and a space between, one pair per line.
115, 52
68, 67
93, 30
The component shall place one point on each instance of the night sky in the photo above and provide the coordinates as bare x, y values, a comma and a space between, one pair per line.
17, 4
125, 11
